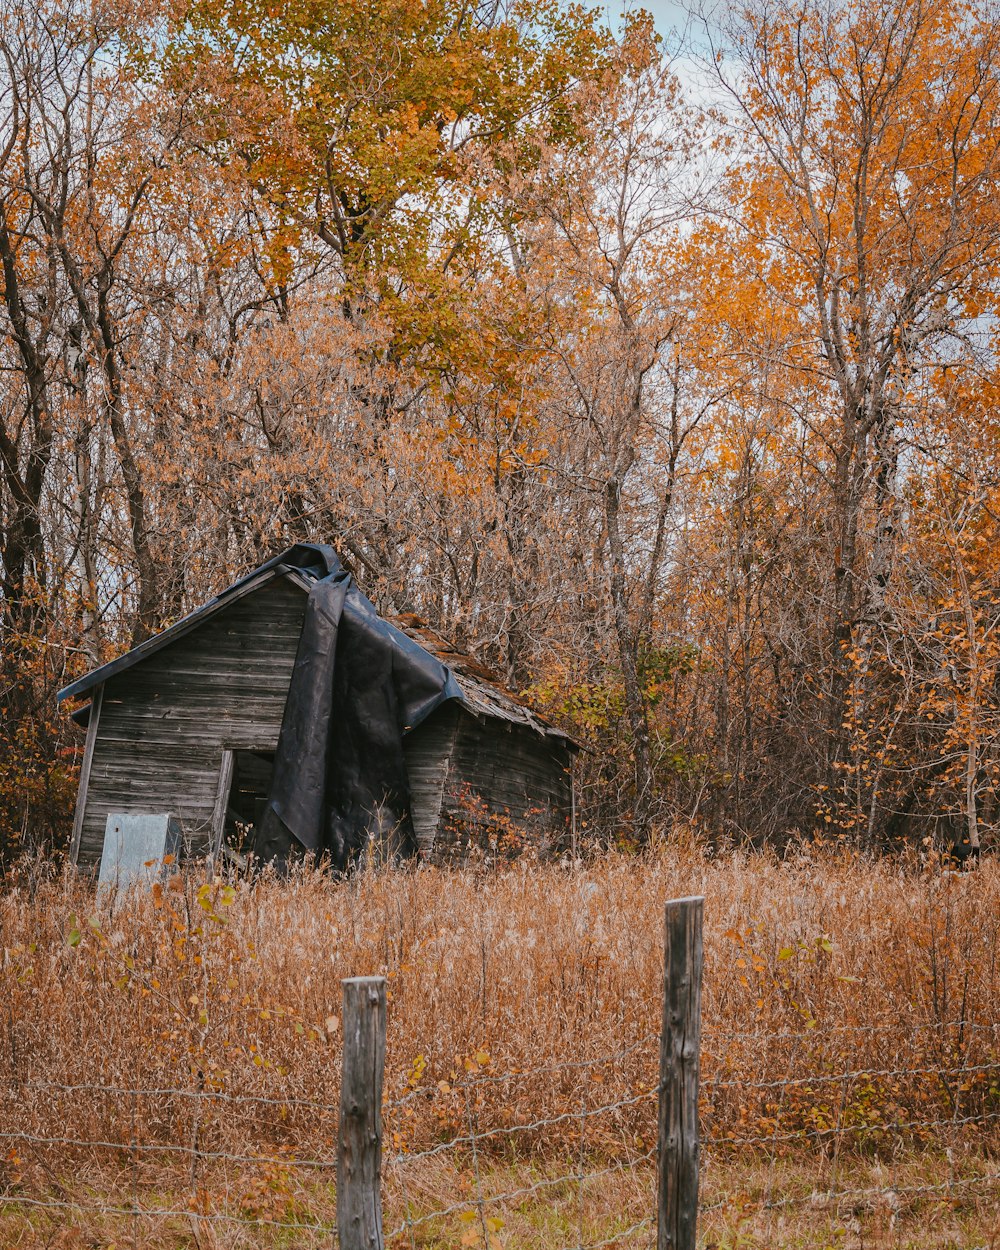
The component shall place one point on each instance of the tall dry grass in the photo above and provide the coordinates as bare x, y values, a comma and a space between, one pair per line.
504, 985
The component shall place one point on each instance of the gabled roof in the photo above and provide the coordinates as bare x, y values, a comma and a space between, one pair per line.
239, 590
473, 685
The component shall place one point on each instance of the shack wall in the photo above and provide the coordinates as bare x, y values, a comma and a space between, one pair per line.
165, 723
507, 787
428, 750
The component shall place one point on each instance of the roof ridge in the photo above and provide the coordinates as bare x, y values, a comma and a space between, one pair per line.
467, 666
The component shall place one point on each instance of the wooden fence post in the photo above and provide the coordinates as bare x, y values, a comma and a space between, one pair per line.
359, 1137
680, 1041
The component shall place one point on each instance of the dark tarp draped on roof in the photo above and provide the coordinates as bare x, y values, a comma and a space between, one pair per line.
358, 684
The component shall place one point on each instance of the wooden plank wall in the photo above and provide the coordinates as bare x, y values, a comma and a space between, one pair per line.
428, 750
165, 723
510, 772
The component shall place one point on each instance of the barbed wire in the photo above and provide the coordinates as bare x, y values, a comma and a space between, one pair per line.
127, 1091
472, 1139
847, 1130
326, 1228
823, 1078
460, 1141
163, 1213
712, 1034
473, 1082
549, 1182
174, 1148
615, 1238
817, 1198
461, 1083
460, 1086
507, 1130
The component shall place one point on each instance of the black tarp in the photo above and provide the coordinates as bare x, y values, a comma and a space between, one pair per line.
358, 684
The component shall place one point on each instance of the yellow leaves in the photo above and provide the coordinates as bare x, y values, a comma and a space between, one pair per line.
372, 123
416, 1072
475, 1223
476, 1061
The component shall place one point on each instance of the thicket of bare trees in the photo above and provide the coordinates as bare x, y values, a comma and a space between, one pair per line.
682, 418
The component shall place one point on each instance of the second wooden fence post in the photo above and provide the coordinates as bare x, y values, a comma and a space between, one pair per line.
359, 1137
680, 1044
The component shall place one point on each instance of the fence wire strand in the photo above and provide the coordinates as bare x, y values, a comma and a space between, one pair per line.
471, 1149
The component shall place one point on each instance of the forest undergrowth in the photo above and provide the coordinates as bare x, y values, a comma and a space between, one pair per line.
851, 1035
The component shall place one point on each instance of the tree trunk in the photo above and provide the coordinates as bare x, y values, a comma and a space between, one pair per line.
23, 550
848, 497
635, 704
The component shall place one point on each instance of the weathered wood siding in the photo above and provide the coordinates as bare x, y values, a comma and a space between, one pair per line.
165, 722
428, 750
505, 783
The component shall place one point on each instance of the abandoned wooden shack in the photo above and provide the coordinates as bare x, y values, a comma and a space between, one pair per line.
188, 722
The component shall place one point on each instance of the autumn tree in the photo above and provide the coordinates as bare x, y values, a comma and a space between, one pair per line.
681, 419
865, 191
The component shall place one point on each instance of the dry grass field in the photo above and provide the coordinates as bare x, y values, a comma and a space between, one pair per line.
181, 1053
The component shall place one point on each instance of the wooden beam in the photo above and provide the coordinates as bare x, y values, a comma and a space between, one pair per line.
359, 1137
574, 844
88, 759
680, 1043
218, 829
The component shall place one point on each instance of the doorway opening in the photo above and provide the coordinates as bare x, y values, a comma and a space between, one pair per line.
251, 784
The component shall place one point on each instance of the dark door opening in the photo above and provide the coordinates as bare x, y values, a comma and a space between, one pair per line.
248, 791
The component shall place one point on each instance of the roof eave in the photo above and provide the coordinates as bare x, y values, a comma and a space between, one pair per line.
179, 630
